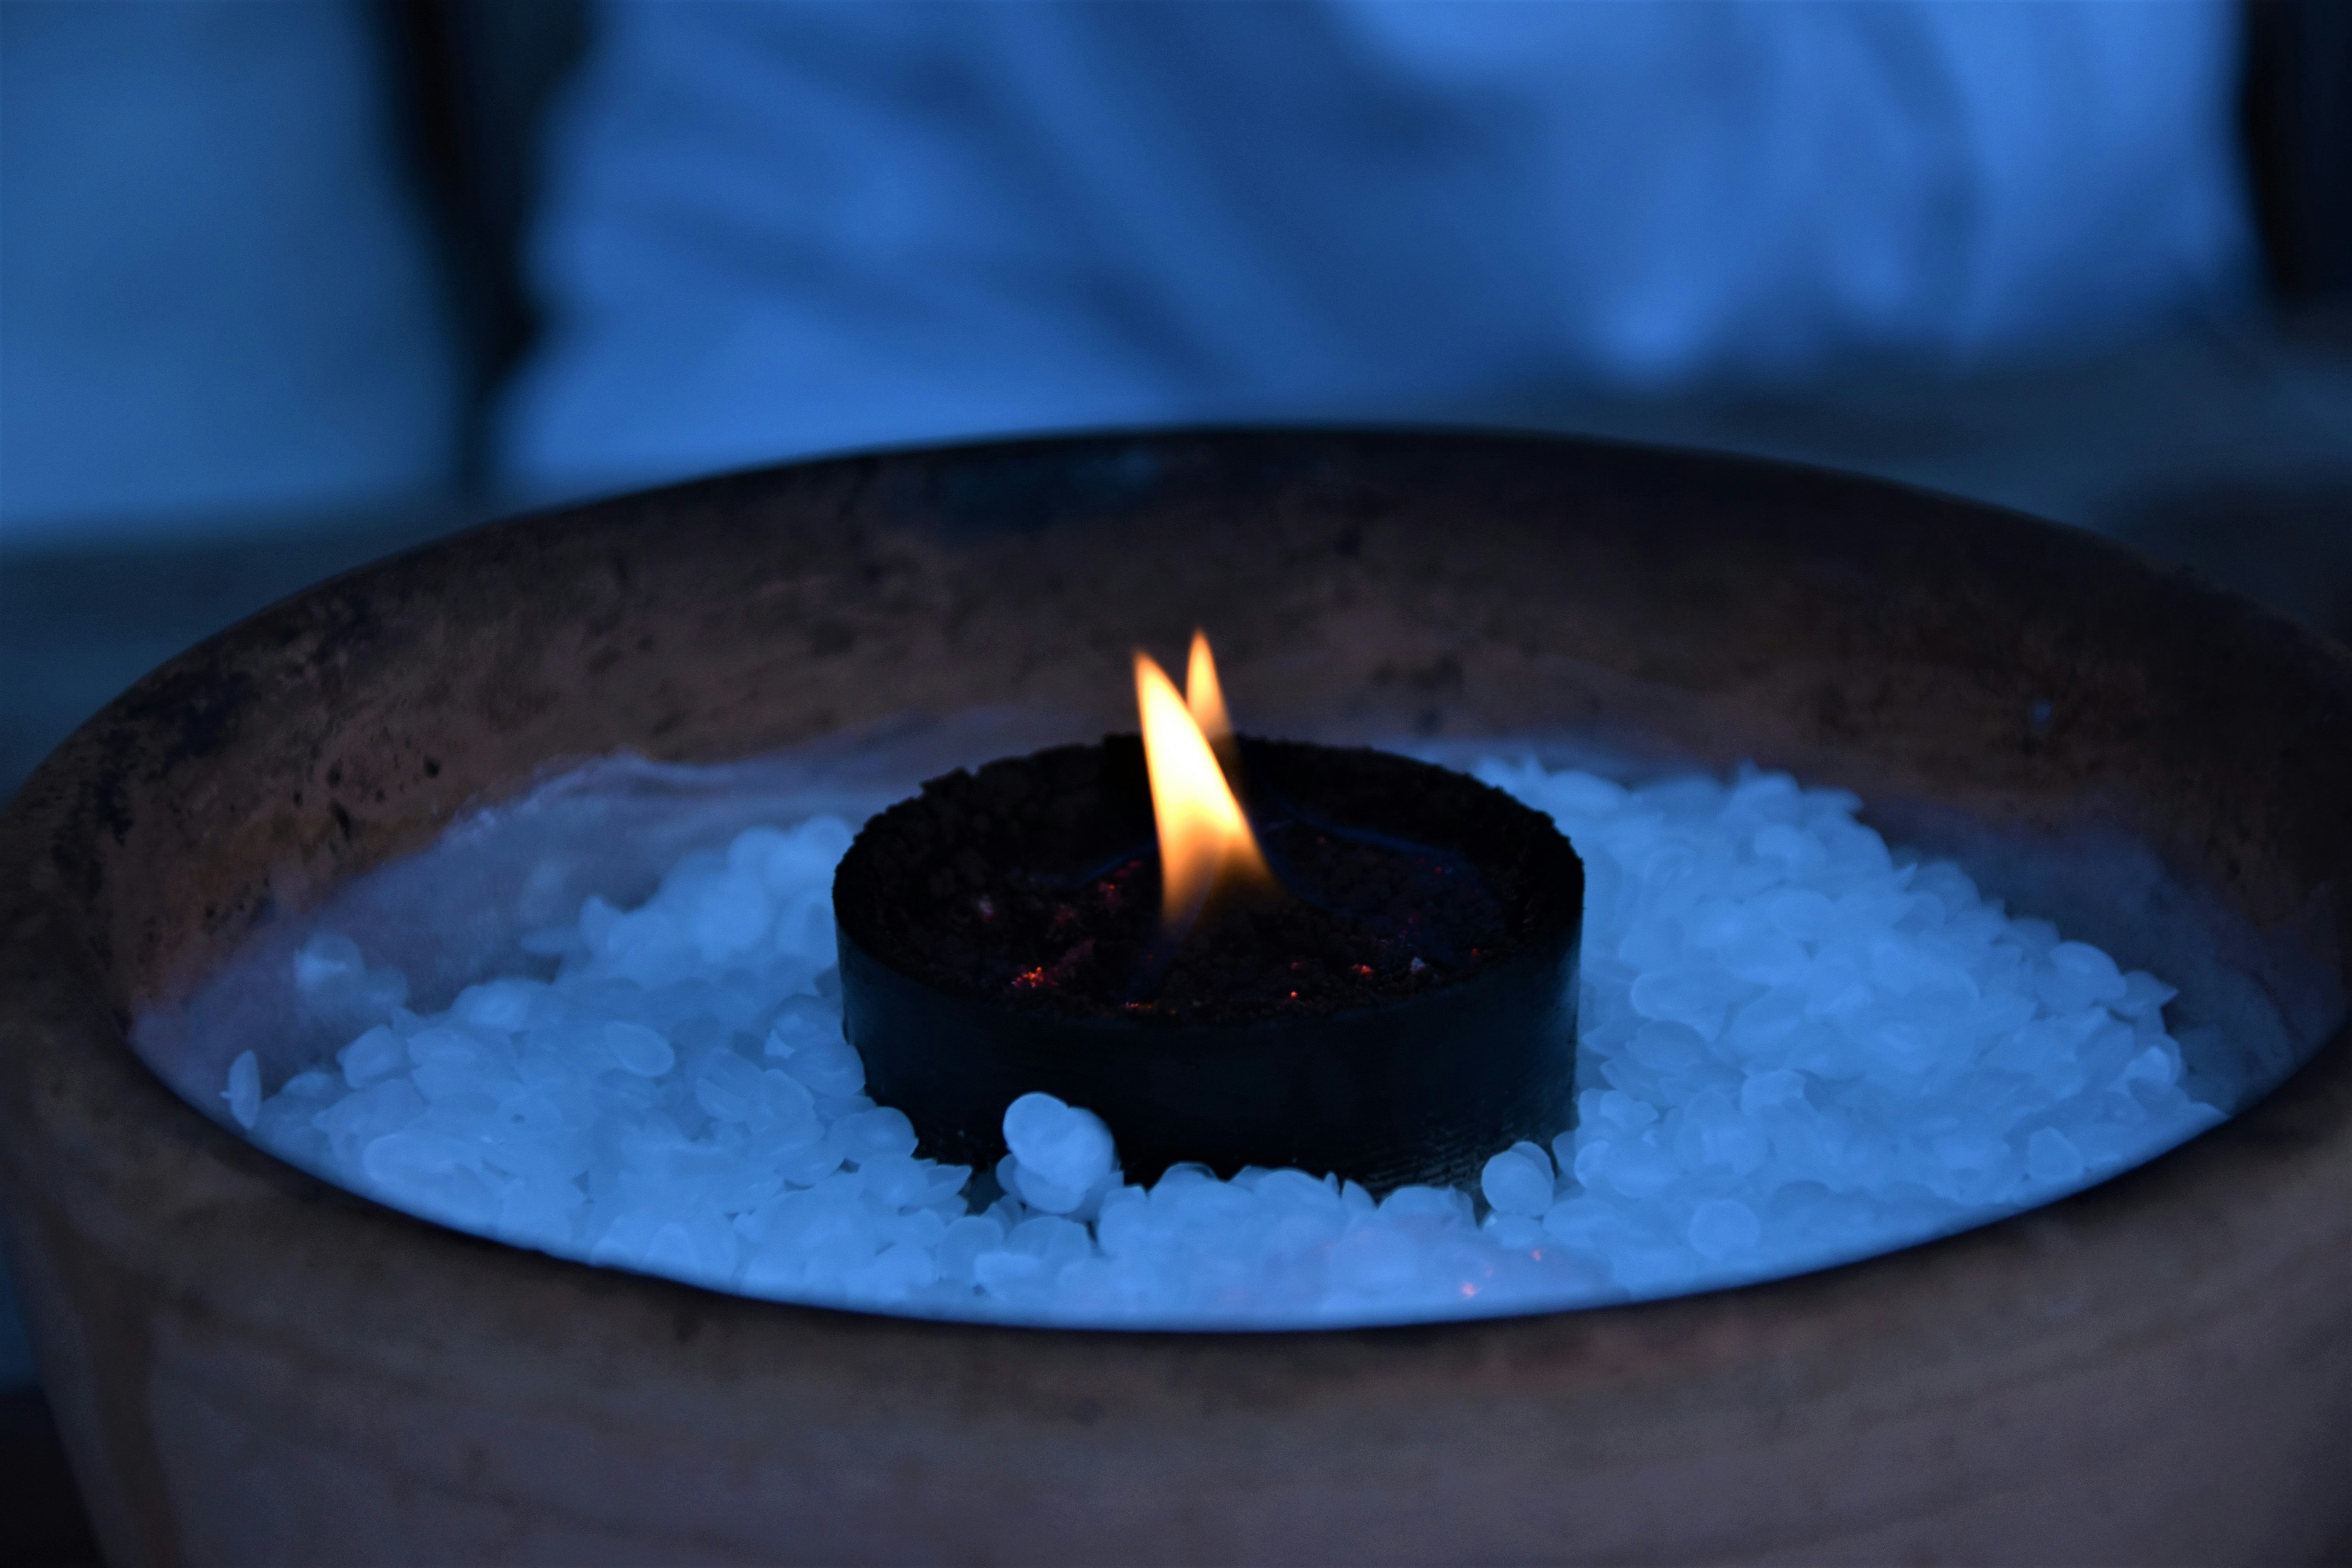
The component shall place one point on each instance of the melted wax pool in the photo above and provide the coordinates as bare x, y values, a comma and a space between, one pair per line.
1797, 1049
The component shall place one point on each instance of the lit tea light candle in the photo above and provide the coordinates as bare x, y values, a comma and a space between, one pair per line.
1357, 963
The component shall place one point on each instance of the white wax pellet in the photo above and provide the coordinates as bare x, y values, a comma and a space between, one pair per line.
1068, 1147
638, 1050
244, 1090
1516, 1185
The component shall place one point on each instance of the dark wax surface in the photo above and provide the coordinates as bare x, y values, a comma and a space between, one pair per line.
1035, 883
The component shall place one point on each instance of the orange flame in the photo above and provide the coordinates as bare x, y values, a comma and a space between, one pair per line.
1205, 698
1204, 840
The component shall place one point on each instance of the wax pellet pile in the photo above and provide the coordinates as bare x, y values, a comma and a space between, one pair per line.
1795, 1049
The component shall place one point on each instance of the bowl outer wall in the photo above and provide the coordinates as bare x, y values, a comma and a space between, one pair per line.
250, 1366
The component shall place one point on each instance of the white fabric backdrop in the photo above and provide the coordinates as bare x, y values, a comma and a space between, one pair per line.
784, 230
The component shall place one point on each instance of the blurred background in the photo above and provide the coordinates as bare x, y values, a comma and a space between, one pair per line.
287, 285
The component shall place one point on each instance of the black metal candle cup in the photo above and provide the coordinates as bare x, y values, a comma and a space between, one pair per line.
1402, 1007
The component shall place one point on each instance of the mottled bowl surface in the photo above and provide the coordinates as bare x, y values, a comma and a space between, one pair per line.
251, 1365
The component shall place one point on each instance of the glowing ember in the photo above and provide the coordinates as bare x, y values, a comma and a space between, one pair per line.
1206, 843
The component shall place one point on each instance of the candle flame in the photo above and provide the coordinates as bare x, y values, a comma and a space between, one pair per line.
1204, 840
1204, 696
